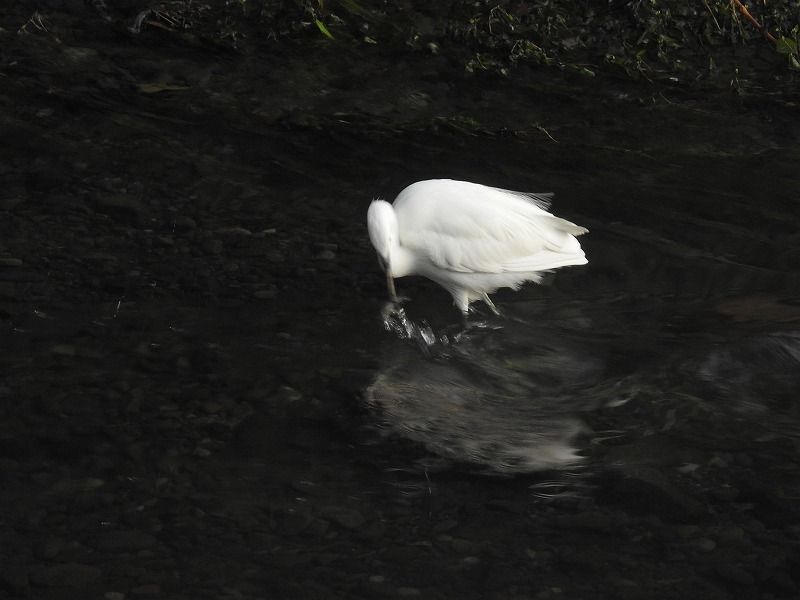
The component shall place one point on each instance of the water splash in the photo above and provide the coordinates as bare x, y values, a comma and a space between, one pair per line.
462, 398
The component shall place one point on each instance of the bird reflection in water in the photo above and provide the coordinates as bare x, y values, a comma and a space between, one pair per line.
469, 404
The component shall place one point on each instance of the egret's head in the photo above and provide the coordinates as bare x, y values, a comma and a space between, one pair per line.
384, 234
383, 230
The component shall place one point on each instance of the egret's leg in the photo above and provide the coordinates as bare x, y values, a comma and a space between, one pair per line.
461, 300
490, 304
390, 286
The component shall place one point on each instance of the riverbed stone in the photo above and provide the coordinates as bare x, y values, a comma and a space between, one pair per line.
125, 541
349, 518
68, 575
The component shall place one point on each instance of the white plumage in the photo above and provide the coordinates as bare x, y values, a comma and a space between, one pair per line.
469, 238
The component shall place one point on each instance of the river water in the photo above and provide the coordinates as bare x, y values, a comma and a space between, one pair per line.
206, 396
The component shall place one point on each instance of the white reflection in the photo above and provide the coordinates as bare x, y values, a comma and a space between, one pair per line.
487, 397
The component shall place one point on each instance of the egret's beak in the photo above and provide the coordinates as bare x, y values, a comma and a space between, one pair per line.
389, 279
390, 285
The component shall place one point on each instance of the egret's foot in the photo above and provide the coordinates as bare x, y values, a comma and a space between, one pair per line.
480, 325
476, 320
392, 310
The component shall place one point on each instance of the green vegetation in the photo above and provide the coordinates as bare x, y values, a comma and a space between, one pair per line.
673, 41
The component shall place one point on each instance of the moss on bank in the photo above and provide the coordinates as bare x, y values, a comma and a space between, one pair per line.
721, 42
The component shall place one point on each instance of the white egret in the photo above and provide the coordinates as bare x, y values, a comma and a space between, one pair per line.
469, 238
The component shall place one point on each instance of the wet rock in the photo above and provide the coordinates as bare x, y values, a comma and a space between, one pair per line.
734, 574
408, 592
587, 521
14, 579
445, 526
148, 589
510, 506
50, 548
779, 580
348, 518
233, 232
268, 294
646, 489
686, 532
306, 487
212, 246
63, 350
11, 202
125, 541
184, 223
65, 575
704, 544
20, 275
8, 290
121, 206
291, 521
462, 546
732, 534
726, 493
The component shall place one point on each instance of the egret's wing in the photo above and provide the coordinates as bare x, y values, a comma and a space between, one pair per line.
541, 199
467, 227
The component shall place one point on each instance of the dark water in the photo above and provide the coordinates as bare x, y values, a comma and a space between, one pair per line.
202, 399
686, 319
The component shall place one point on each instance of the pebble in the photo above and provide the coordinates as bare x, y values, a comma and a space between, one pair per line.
8, 290
265, 294
291, 522
306, 487
445, 525
50, 548
587, 521
64, 575
686, 532
407, 592
10, 262
63, 350
121, 205
212, 246
149, 589
184, 223
704, 544
14, 580
348, 518
9, 203
234, 231
461, 546
125, 541
734, 574
731, 534
646, 486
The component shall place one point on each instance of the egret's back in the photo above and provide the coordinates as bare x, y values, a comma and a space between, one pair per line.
471, 228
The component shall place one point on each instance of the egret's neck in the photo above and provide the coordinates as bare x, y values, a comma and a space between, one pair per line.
403, 261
